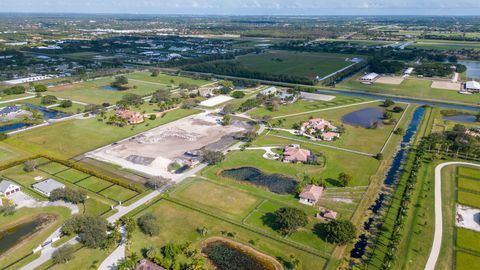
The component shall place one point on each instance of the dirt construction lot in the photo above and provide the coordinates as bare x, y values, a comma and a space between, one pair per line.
153, 151
389, 80
446, 85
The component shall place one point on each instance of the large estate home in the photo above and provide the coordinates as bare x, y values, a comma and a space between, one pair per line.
320, 128
131, 116
294, 154
311, 194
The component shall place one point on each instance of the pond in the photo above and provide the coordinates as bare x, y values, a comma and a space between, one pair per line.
467, 118
11, 127
47, 113
276, 183
111, 88
473, 68
13, 236
365, 117
226, 256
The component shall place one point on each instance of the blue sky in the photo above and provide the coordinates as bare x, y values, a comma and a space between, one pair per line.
249, 7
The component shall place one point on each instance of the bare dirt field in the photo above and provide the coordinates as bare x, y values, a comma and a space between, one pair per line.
153, 151
390, 80
446, 85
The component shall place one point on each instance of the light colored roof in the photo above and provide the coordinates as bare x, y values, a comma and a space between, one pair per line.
214, 101
329, 135
296, 154
409, 70
330, 214
370, 76
48, 186
311, 192
472, 85
5, 184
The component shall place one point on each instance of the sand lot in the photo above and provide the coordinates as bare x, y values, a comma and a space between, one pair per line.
468, 217
389, 80
446, 85
151, 152
214, 101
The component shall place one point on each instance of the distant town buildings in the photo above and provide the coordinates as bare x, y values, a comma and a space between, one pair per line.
27, 80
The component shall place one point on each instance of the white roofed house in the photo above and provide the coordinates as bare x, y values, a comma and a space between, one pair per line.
272, 90
472, 86
408, 71
46, 187
370, 77
8, 188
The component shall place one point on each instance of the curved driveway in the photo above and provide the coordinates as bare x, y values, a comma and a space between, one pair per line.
437, 238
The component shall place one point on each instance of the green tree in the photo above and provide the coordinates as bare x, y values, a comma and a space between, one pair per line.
48, 100
148, 223
212, 157
345, 179
66, 103
388, 102
40, 88
340, 231
289, 219
63, 254
29, 165
226, 120
237, 94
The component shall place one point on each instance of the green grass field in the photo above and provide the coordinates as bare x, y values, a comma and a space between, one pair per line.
416, 88
470, 184
118, 193
445, 45
165, 79
468, 239
468, 198
465, 261
72, 175
80, 136
469, 172
300, 64
53, 167
94, 184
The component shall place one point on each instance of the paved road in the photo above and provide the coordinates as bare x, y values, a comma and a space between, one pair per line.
16, 99
118, 254
437, 238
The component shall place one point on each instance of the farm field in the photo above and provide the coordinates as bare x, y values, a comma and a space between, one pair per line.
80, 136
445, 45
165, 79
307, 65
369, 140
416, 88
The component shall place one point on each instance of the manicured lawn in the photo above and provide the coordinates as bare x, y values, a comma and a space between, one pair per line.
468, 239
53, 167
9, 153
94, 184
301, 106
469, 172
409, 87
83, 259
74, 109
232, 202
468, 198
26, 247
72, 175
295, 63
165, 79
118, 193
95, 207
74, 137
466, 261
470, 184
369, 140
179, 225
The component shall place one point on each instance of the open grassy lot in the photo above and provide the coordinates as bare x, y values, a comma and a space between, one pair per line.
358, 138
9, 153
165, 79
118, 193
418, 88
445, 45
468, 198
91, 92
84, 259
468, 239
469, 172
74, 109
53, 167
470, 184
71, 138
25, 247
465, 261
232, 202
94, 184
304, 106
72, 175
301, 64
176, 226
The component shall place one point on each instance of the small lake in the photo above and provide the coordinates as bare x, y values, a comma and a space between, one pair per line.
467, 118
473, 68
47, 113
365, 117
110, 88
11, 237
11, 127
276, 183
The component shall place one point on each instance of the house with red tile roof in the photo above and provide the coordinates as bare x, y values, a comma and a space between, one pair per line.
329, 136
147, 265
310, 194
329, 214
294, 153
320, 128
131, 116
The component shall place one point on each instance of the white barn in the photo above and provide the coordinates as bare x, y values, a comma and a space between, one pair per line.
473, 86
370, 77
8, 188
46, 187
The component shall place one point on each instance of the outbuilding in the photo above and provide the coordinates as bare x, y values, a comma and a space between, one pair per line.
472, 86
46, 187
311, 194
8, 188
370, 77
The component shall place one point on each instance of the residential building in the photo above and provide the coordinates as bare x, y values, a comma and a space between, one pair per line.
329, 214
311, 194
329, 136
472, 86
131, 116
8, 188
408, 71
272, 90
46, 187
294, 153
370, 77
147, 265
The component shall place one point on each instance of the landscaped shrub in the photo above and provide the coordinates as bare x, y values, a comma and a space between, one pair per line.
68, 195
148, 223
92, 231
63, 254
289, 219
337, 231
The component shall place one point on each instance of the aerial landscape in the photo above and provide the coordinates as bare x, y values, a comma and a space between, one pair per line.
239, 135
